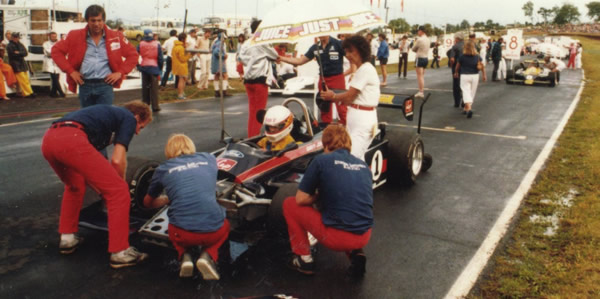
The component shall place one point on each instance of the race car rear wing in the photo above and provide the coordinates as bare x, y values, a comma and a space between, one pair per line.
404, 102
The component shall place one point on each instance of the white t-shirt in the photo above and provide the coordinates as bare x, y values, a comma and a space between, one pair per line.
374, 47
560, 65
284, 68
366, 80
169, 44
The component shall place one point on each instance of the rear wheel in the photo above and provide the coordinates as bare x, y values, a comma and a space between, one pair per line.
552, 79
276, 221
138, 176
406, 156
510, 76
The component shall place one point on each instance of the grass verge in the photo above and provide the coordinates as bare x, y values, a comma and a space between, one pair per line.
554, 250
169, 94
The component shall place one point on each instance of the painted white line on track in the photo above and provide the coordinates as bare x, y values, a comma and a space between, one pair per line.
28, 122
451, 130
203, 112
465, 281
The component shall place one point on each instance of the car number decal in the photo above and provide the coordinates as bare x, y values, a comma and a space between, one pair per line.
377, 165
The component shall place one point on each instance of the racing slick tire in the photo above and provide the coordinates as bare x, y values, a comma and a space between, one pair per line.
276, 222
138, 176
552, 79
406, 156
510, 76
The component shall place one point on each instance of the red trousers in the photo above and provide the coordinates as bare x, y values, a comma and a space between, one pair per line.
183, 239
334, 82
303, 219
257, 100
77, 162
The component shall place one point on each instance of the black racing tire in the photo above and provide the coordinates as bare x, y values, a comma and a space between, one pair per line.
552, 79
138, 176
510, 76
276, 222
406, 156
427, 162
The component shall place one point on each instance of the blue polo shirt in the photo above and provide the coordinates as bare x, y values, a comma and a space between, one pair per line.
345, 190
95, 62
190, 182
332, 57
102, 121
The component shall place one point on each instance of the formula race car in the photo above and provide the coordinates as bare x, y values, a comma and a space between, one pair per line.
253, 183
531, 72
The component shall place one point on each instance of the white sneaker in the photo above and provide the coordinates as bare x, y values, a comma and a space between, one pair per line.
187, 267
312, 240
419, 95
207, 267
126, 258
68, 245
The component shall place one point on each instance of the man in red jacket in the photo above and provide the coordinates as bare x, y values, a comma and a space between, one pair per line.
93, 58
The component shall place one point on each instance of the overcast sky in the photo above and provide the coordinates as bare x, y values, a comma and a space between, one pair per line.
436, 12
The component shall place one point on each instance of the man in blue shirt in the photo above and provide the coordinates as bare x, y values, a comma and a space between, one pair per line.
195, 217
342, 185
71, 147
331, 56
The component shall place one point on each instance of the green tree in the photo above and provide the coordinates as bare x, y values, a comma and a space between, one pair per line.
465, 25
594, 10
546, 14
567, 13
528, 10
399, 25
479, 25
489, 24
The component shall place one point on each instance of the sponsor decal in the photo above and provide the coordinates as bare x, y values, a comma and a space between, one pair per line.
225, 164
233, 153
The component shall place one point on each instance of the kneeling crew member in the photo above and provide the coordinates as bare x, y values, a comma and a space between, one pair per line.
71, 146
345, 194
278, 122
555, 65
195, 217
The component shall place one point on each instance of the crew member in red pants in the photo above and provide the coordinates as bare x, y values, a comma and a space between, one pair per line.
332, 59
71, 146
345, 194
195, 217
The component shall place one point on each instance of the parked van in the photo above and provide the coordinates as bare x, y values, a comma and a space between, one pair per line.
162, 26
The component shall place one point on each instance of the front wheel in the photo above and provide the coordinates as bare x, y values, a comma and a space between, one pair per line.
276, 221
138, 176
406, 156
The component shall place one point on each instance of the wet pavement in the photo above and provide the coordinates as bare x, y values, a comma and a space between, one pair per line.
423, 236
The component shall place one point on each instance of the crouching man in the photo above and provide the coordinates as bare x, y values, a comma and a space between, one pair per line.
345, 195
195, 217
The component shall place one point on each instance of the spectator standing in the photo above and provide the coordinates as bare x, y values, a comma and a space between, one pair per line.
436, 56
195, 217
421, 47
374, 48
190, 43
473, 38
468, 72
96, 58
483, 52
152, 63
362, 98
502, 67
257, 61
16, 58
219, 65
496, 55
7, 38
168, 48
403, 59
204, 45
50, 67
331, 56
71, 146
180, 64
239, 66
6, 75
572, 55
343, 185
578, 63
383, 53
454, 54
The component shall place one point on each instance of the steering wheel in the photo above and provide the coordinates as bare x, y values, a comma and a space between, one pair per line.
250, 144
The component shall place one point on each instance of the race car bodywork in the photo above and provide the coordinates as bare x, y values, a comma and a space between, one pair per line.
531, 72
252, 183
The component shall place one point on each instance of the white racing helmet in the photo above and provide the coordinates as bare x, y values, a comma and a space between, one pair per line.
278, 122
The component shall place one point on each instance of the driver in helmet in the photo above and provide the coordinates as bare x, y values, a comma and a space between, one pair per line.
278, 123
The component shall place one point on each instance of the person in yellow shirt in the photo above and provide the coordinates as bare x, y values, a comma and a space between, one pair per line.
180, 64
278, 122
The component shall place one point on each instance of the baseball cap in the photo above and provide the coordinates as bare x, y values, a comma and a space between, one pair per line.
148, 34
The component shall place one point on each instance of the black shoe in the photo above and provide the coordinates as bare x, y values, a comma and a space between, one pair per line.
470, 114
296, 263
156, 110
32, 96
54, 96
464, 112
358, 263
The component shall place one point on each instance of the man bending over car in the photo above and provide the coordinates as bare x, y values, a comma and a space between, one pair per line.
342, 185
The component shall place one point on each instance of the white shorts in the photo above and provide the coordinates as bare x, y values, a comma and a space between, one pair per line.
361, 125
468, 86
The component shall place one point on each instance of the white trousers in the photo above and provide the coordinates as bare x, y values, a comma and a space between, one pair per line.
204, 70
502, 69
468, 85
361, 126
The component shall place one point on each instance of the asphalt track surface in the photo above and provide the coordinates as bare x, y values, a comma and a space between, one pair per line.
423, 236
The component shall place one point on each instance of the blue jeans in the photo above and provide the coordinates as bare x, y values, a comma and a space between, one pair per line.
94, 92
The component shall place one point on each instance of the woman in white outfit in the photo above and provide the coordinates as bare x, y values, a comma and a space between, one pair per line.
363, 96
469, 75
578, 64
